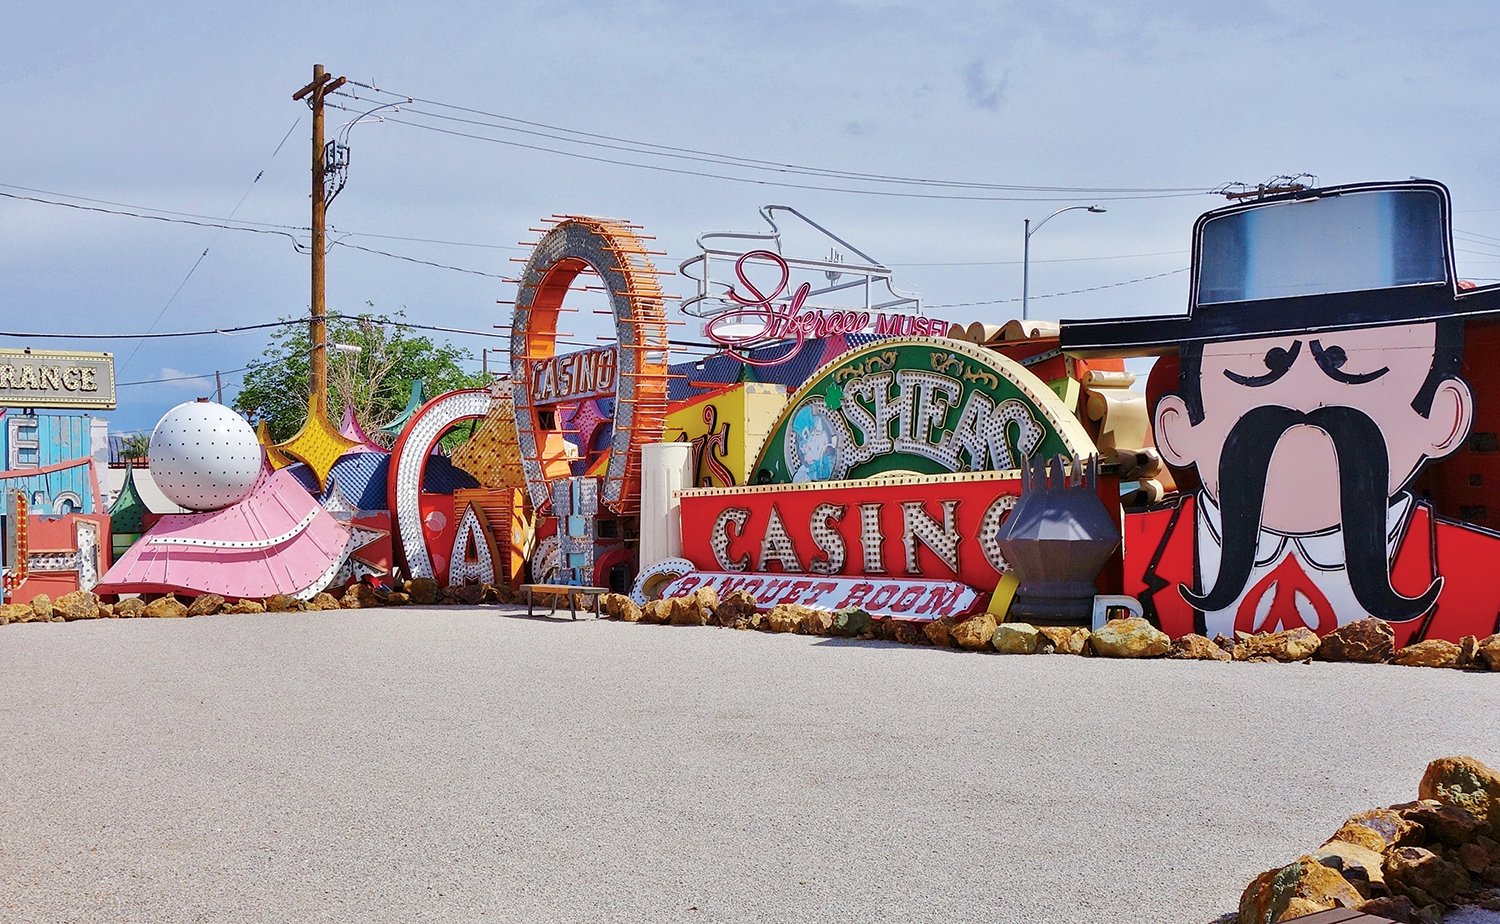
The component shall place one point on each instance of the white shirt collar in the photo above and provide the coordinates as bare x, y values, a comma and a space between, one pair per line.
1324, 549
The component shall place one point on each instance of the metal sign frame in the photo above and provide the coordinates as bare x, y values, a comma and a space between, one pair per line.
870, 275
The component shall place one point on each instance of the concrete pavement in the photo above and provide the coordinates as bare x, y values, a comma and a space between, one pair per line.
463, 764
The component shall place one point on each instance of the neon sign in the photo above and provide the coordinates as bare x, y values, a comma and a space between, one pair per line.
919, 405
880, 596
759, 318
572, 376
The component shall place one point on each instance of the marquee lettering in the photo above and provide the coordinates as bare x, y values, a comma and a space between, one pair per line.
940, 530
929, 407
52, 378
574, 376
827, 538
870, 538
904, 411
721, 538
905, 599
776, 546
918, 527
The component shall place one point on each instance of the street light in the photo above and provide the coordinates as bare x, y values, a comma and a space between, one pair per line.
1026, 250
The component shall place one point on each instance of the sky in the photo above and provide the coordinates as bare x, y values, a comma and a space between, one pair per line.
188, 110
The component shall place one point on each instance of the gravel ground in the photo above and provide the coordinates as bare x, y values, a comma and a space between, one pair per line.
470, 764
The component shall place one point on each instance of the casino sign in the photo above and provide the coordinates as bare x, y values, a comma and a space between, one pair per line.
896, 462
918, 405
633, 371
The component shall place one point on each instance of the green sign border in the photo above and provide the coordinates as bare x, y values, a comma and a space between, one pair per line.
972, 367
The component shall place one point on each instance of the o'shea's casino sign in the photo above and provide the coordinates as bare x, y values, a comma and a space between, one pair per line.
887, 474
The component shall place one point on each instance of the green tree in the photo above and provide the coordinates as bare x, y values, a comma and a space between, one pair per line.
135, 445
376, 380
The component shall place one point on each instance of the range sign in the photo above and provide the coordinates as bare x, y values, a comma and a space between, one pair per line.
57, 378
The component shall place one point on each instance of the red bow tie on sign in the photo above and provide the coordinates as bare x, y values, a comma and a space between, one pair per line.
1285, 583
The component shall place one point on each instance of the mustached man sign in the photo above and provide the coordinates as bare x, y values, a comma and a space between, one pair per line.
1319, 372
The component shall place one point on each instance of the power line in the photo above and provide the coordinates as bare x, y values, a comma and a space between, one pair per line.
1121, 256
182, 378
166, 216
163, 335
73, 335
769, 183
724, 160
1111, 285
297, 244
262, 363
425, 240
665, 150
127, 205
411, 326
202, 256
302, 248
397, 256
129, 210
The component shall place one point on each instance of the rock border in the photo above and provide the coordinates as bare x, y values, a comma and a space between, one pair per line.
83, 604
1368, 641
1414, 862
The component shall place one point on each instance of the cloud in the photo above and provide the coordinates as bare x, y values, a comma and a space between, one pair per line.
981, 89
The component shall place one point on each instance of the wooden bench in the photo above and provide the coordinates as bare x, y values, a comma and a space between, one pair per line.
570, 590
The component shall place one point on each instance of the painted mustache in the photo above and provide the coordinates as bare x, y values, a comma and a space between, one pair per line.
1364, 470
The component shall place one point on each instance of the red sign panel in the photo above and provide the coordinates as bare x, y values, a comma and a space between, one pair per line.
940, 527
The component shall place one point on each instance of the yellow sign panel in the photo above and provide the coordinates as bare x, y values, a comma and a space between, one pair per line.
57, 378
319, 443
725, 428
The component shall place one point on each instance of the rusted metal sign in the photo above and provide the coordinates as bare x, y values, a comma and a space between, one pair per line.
57, 378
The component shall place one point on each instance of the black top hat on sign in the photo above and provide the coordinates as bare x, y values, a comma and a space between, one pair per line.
1362, 255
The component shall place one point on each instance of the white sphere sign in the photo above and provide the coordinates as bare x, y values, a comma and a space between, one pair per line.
204, 456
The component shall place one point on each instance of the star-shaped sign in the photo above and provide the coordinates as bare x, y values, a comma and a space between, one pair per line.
276, 457
319, 443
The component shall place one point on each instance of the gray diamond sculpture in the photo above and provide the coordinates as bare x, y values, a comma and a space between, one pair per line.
1057, 539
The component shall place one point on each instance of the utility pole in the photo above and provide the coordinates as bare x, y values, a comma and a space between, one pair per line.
218, 387
315, 92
